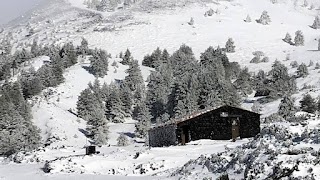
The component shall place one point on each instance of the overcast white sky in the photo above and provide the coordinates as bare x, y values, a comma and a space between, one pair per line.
11, 9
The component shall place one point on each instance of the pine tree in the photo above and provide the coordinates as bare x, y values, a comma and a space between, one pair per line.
17, 132
68, 54
288, 39
264, 18
159, 88
83, 49
134, 77
299, 38
86, 104
35, 49
122, 140
244, 83
281, 83
30, 83
302, 70
97, 126
316, 23
127, 98
114, 105
286, 107
308, 104
153, 60
127, 58
230, 46
99, 63
144, 120
317, 66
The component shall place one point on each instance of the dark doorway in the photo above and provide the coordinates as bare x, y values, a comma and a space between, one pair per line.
185, 135
235, 128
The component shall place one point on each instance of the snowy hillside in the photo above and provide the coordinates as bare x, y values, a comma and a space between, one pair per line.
142, 27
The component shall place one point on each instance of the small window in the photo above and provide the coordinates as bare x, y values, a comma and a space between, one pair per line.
224, 114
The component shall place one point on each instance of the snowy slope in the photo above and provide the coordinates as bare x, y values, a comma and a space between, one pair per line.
142, 28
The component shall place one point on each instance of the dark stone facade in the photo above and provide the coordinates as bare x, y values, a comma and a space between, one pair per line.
223, 123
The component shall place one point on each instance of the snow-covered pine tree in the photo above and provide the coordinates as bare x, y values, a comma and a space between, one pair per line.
96, 90
310, 63
127, 99
216, 87
35, 49
230, 47
286, 107
99, 63
153, 60
248, 18
127, 58
134, 76
144, 120
184, 65
264, 18
281, 82
299, 38
122, 140
159, 88
30, 83
97, 126
17, 131
114, 105
317, 66
86, 103
46, 76
244, 82
302, 70
193, 92
288, 39
83, 49
308, 104
165, 57
316, 23
69, 54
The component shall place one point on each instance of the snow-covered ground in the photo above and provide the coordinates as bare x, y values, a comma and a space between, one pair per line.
142, 31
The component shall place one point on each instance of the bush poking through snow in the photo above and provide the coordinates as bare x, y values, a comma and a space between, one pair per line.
288, 39
210, 12
316, 23
123, 140
257, 57
191, 22
302, 70
294, 64
264, 18
248, 19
